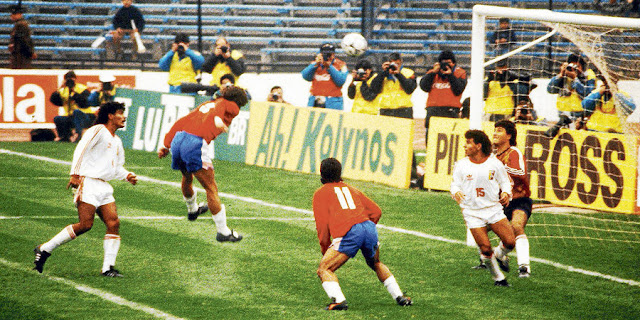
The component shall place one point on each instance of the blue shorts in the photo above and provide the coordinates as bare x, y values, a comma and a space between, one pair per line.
362, 236
524, 204
189, 153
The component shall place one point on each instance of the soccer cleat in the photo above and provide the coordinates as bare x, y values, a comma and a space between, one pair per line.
337, 306
480, 266
502, 283
41, 258
113, 273
233, 237
192, 216
524, 272
404, 301
504, 263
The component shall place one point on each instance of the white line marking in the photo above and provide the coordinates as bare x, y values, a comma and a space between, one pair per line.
99, 293
394, 229
122, 217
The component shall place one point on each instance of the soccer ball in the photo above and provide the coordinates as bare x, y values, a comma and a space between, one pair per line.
354, 44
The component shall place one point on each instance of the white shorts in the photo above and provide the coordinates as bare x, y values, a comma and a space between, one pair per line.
478, 218
93, 191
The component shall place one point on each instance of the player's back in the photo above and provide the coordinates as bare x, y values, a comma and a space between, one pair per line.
341, 206
200, 121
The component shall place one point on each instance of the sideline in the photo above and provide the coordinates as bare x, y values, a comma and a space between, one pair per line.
99, 293
393, 229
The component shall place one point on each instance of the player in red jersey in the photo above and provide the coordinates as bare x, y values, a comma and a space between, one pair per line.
519, 209
348, 216
188, 142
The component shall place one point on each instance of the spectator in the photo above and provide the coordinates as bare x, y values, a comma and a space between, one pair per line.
525, 113
181, 62
502, 39
229, 80
360, 91
445, 83
276, 94
503, 88
224, 61
620, 8
600, 106
327, 75
72, 97
394, 86
21, 50
572, 84
106, 93
122, 25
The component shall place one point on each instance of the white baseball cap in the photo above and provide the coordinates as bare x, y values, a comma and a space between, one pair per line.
107, 78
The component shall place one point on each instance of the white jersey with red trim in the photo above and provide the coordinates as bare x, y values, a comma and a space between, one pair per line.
481, 183
99, 155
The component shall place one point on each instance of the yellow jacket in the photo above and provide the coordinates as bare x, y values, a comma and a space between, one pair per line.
392, 95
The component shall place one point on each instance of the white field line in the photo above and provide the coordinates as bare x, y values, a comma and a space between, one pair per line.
99, 293
393, 229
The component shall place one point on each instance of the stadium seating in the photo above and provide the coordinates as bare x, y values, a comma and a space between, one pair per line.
275, 35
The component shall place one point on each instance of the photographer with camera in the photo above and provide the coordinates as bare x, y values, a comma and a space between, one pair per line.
600, 107
327, 75
359, 89
444, 82
72, 97
106, 92
276, 94
181, 62
393, 87
224, 61
572, 83
503, 89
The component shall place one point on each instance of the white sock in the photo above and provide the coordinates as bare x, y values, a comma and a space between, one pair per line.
192, 205
522, 250
111, 245
332, 288
492, 263
67, 234
500, 251
392, 286
220, 219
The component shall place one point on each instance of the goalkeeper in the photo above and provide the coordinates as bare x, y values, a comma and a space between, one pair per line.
600, 107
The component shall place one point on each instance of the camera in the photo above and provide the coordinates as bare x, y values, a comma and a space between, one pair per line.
107, 86
393, 66
361, 73
563, 122
224, 49
571, 67
70, 83
326, 56
444, 66
181, 49
275, 96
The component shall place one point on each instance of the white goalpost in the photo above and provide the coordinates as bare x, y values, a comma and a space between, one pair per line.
586, 169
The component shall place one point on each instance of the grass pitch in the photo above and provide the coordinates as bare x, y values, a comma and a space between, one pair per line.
174, 268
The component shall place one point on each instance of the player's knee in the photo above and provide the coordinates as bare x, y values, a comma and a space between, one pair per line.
113, 224
486, 250
509, 244
84, 226
518, 230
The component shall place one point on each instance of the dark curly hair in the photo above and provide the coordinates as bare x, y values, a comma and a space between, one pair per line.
235, 94
107, 109
330, 171
510, 129
478, 136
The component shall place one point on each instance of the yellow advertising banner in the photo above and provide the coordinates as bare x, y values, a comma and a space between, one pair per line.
370, 148
576, 168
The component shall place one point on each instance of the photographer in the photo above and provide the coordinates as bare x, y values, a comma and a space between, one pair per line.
444, 82
181, 62
525, 114
503, 88
359, 89
276, 94
72, 97
572, 84
327, 75
106, 93
393, 87
224, 61
600, 107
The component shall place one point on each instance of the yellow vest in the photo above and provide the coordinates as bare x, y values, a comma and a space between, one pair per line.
392, 95
605, 118
221, 69
360, 105
573, 103
499, 99
181, 71
68, 106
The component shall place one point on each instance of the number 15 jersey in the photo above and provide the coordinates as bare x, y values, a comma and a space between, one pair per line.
481, 183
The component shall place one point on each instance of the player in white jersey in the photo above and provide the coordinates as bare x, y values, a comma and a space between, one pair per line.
98, 158
481, 186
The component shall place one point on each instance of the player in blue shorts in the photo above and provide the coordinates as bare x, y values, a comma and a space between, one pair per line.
348, 216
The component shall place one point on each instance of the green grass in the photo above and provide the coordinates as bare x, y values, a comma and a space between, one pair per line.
177, 267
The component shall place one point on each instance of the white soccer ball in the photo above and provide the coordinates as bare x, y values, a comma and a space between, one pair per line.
354, 44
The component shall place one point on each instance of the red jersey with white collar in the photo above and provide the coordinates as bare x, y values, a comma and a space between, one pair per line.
517, 169
200, 122
337, 207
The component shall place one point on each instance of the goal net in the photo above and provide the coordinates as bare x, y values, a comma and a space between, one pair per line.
584, 180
